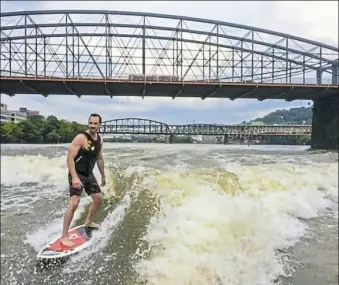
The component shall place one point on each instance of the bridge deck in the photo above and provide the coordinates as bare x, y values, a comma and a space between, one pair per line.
111, 87
145, 126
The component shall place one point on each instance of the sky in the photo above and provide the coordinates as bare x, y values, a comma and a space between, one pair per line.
317, 20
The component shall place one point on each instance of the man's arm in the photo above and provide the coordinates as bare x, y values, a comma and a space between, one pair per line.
73, 150
101, 163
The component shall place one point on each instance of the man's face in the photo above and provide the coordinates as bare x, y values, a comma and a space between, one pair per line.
93, 124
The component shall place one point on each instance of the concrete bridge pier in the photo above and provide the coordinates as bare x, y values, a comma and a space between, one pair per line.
325, 116
170, 138
226, 139
325, 123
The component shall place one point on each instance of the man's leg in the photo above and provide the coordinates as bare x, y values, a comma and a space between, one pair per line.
93, 189
93, 209
73, 205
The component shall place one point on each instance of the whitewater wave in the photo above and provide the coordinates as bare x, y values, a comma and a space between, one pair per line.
227, 225
218, 227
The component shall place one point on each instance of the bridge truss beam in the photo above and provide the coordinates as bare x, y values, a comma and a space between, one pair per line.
146, 46
135, 126
149, 127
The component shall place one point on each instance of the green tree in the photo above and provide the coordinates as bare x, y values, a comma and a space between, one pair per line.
10, 132
30, 132
295, 116
37, 129
53, 137
53, 121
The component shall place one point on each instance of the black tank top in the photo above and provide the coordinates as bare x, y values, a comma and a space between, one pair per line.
87, 156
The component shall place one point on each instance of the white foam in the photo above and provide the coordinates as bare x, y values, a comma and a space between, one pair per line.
30, 146
16, 170
51, 229
204, 236
202, 147
45, 171
102, 236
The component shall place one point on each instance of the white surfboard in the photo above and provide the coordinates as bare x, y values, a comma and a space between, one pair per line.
80, 235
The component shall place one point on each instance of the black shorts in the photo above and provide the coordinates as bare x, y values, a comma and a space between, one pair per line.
89, 182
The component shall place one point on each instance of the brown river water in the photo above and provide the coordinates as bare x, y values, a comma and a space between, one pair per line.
176, 214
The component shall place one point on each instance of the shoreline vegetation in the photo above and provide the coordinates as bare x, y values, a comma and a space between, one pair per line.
38, 130
51, 130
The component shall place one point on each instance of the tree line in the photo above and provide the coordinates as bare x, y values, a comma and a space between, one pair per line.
38, 129
295, 116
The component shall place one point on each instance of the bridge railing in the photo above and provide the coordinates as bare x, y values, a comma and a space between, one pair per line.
171, 79
107, 44
144, 127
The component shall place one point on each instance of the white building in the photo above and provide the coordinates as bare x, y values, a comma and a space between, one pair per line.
197, 139
15, 116
12, 116
209, 139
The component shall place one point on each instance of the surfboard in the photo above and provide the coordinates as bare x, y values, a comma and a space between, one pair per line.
80, 235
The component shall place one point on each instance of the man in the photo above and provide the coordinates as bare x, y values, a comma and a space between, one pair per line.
83, 153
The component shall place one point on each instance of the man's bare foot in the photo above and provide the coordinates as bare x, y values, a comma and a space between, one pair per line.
92, 225
66, 242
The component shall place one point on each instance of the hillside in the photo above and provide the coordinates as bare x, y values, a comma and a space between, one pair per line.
295, 116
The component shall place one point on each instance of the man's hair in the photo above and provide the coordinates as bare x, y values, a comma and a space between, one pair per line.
95, 115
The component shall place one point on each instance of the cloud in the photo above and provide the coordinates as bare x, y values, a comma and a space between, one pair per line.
166, 110
318, 21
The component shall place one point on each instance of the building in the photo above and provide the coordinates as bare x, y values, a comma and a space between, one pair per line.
196, 139
205, 139
29, 112
209, 139
34, 113
12, 116
15, 116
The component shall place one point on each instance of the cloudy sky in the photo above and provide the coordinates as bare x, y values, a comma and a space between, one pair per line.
313, 20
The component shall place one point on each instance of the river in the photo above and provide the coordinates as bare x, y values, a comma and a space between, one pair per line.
176, 214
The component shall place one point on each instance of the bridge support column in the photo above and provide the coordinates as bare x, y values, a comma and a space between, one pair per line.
319, 76
325, 123
171, 138
335, 72
226, 139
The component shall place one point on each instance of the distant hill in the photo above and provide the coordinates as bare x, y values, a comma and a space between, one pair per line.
295, 116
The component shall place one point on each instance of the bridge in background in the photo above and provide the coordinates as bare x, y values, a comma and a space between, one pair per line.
120, 53
150, 127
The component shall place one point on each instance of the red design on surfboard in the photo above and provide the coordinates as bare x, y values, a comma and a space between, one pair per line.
74, 236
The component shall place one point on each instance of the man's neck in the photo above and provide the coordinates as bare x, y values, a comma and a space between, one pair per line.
93, 135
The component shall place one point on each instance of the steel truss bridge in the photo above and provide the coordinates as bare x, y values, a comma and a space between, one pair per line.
120, 53
150, 127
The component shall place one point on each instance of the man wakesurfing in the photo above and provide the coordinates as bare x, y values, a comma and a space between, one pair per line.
83, 153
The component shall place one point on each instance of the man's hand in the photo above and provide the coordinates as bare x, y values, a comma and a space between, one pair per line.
76, 183
103, 181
